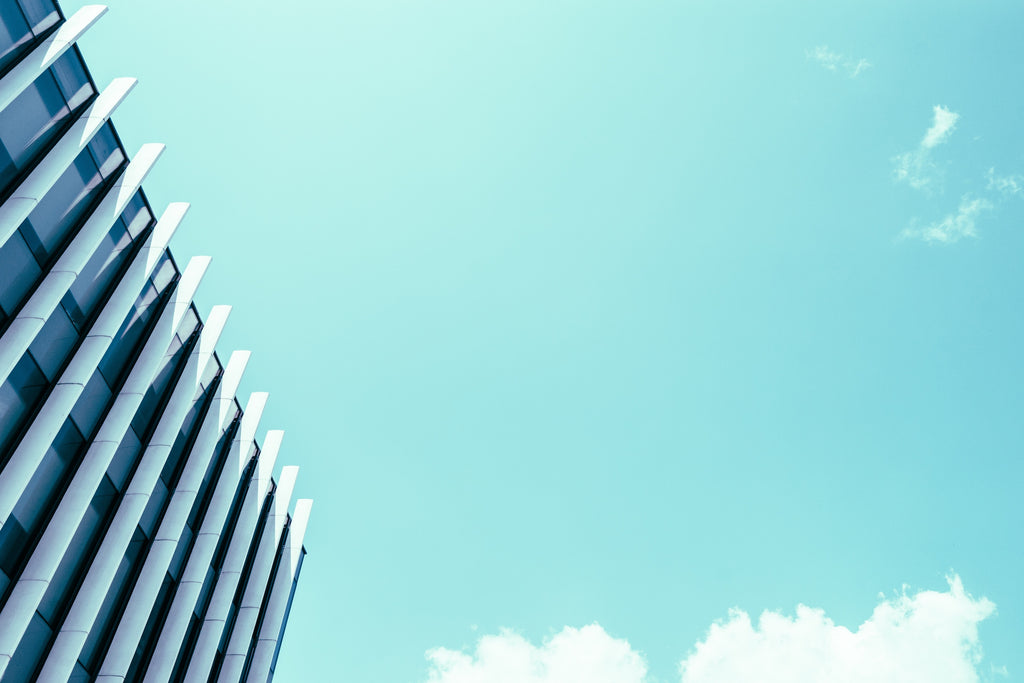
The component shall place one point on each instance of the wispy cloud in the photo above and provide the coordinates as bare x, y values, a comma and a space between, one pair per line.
1005, 185
929, 636
837, 62
943, 124
954, 226
916, 167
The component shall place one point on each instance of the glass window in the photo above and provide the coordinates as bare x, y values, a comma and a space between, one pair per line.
147, 412
14, 32
92, 650
44, 489
116, 360
76, 560
124, 459
54, 342
106, 152
18, 394
30, 651
72, 78
154, 509
97, 275
91, 404
55, 214
18, 272
13, 538
41, 14
180, 553
136, 215
29, 122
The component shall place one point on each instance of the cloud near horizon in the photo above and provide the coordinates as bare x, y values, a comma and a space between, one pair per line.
928, 637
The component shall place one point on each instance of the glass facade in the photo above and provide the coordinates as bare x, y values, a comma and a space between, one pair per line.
116, 422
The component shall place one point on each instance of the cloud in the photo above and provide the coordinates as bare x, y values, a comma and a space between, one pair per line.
586, 655
1006, 185
943, 124
916, 167
954, 226
834, 61
929, 637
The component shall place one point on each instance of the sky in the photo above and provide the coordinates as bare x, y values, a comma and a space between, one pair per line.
638, 342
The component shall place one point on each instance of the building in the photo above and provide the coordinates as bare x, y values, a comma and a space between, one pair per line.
142, 535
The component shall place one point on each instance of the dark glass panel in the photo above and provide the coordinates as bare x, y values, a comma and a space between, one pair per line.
106, 262
164, 273
147, 412
124, 459
44, 489
154, 509
18, 394
79, 675
55, 214
41, 14
108, 615
72, 79
147, 641
13, 538
54, 342
180, 554
30, 122
212, 371
92, 405
115, 361
18, 272
76, 560
5, 581
106, 152
14, 32
30, 651
136, 215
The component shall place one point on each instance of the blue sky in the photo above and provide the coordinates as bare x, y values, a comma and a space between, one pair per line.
611, 313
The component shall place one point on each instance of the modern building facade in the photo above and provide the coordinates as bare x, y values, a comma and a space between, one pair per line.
143, 536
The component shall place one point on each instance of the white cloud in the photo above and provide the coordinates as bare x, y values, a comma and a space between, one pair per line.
916, 167
586, 655
929, 637
955, 225
943, 124
1007, 184
834, 61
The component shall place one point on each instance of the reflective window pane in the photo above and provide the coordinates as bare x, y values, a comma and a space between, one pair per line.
18, 272
72, 79
106, 152
41, 14
29, 653
30, 122
14, 32
18, 394
43, 489
55, 214
98, 274
54, 342
92, 404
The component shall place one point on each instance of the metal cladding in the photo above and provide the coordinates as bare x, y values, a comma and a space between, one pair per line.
142, 534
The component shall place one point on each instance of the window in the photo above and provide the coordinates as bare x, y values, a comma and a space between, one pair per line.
106, 262
18, 394
30, 122
14, 33
54, 342
18, 272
